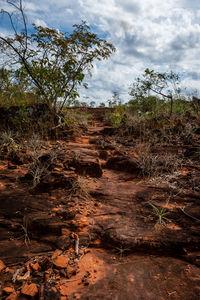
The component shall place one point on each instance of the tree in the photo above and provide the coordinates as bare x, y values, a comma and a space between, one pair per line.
115, 100
146, 104
102, 104
92, 104
165, 85
52, 61
13, 89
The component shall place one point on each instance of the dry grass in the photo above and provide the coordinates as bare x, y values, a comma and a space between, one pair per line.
9, 141
38, 169
153, 165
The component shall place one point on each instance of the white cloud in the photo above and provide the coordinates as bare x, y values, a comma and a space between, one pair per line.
39, 22
161, 35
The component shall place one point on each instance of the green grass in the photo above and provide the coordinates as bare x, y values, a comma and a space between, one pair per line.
161, 213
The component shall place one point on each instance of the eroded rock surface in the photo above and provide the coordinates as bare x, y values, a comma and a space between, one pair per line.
93, 196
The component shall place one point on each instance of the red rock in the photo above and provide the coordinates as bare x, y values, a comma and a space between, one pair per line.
35, 266
123, 163
8, 290
63, 290
15, 297
77, 296
71, 271
57, 170
2, 266
56, 253
65, 231
8, 270
30, 290
46, 275
61, 262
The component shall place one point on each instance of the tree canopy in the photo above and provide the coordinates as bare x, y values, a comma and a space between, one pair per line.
153, 83
53, 62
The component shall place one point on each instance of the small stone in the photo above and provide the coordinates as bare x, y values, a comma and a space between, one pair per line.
57, 170
56, 253
2, 266
30, 290
71, 271
8, 290
14, 296
8, 270
35, 266
61, 262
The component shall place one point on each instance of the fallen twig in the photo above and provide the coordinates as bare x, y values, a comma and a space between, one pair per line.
188, 215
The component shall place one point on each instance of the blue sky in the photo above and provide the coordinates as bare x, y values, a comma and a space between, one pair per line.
160, 35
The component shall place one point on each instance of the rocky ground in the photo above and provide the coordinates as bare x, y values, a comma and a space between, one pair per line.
89, 227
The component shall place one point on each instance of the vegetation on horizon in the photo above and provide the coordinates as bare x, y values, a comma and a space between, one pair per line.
47, 66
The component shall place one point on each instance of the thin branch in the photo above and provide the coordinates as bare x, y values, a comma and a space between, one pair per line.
25, 64
11, 19
160, 93
188, 215
25, 27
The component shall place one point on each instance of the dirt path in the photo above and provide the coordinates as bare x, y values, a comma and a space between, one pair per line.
123, 224
125, 253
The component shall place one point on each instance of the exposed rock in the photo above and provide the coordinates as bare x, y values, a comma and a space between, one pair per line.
11, 166
63, 290
30, 290
71, 270
56, 253
8, 290
35, 266
143, 254
54, 181
109, 131
50, 181
103, 154
65, 213
18, 157
85, 167
123, 163
61, 262
63, 242
2, 265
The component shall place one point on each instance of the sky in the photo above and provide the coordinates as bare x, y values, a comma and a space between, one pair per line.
155, 34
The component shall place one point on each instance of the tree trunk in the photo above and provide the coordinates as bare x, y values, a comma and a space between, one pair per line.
171, 105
